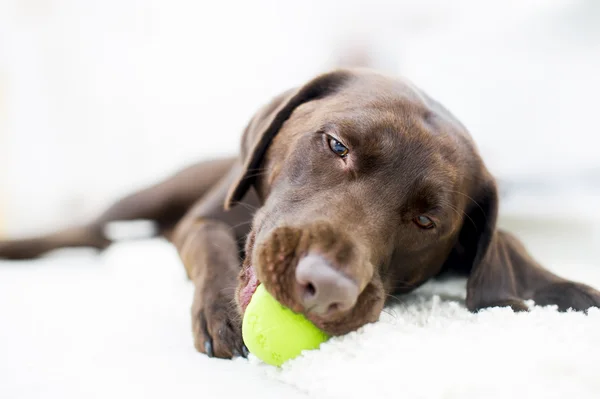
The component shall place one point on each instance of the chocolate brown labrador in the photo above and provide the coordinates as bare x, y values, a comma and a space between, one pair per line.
349, 189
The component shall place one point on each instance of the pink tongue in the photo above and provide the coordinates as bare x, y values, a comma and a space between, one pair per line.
247, 292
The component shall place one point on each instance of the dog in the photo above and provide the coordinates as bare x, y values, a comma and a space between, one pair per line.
348, 190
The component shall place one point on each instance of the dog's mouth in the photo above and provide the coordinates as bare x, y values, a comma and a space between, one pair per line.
273, 261
246, 291
273, 258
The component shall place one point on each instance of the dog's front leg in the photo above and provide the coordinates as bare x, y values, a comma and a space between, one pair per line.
207, 243
210, 255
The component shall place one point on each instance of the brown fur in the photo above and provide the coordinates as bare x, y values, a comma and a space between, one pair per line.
288, 194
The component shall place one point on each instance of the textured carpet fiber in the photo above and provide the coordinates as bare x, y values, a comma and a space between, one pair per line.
75, 325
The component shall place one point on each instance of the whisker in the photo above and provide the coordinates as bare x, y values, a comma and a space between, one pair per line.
400, 284
397, 283
259, 172
473, 201
396, 297
468, 197
240, 224
230, 288
247, 206
459, 212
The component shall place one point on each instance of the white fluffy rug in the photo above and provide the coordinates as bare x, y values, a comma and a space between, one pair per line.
116, 326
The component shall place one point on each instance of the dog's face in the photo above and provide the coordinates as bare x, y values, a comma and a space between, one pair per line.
372, 181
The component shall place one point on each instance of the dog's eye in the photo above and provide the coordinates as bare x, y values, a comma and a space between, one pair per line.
337, 147
424, 222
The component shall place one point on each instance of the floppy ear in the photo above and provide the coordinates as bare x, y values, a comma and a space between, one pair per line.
266, 124
488, 257
501, 271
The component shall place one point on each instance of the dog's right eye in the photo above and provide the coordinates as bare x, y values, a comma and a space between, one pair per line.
424, 222
338, 148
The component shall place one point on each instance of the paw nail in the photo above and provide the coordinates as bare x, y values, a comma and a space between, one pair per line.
208, 349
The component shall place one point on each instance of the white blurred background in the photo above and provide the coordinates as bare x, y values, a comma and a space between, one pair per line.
98, 98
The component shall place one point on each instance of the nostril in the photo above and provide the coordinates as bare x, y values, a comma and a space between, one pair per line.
334, 307
310, 290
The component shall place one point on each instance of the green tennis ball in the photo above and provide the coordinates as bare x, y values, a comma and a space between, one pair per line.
274, 333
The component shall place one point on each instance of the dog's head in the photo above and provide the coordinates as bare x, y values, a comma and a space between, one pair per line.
368, 187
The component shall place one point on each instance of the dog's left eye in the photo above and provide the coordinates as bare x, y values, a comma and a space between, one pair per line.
338, 148
424, 222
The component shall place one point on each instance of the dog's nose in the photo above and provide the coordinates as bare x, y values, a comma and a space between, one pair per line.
324, 290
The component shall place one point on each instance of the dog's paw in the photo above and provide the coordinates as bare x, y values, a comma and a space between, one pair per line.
568, 295
217, 327
516, 305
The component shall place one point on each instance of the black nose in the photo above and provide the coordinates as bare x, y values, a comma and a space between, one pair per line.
322, 289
